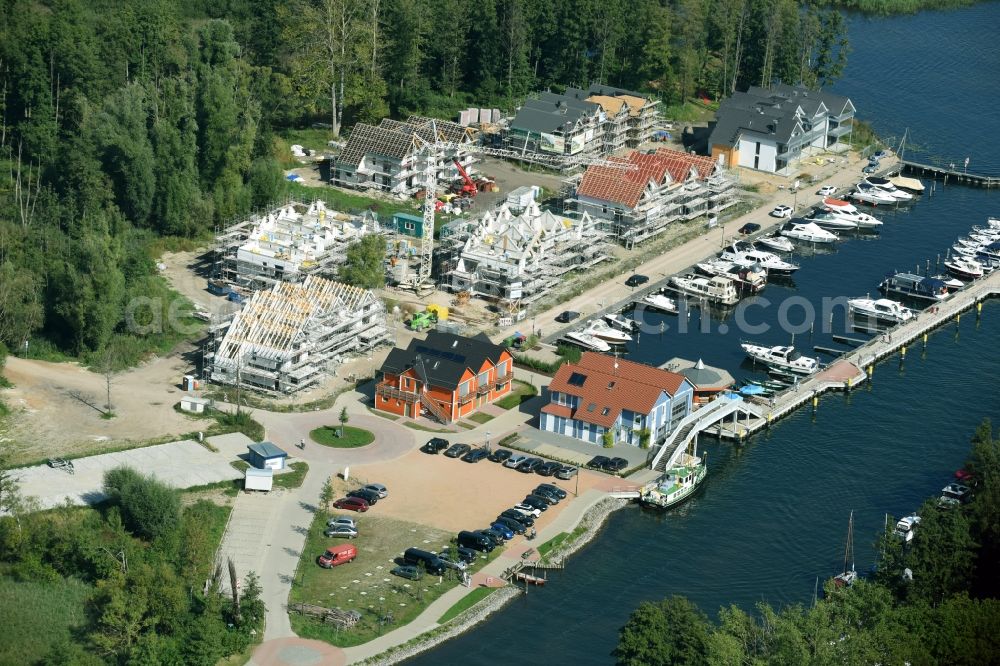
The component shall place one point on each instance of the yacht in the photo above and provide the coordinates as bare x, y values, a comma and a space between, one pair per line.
868, 193
745, 254
621, 322
777, 243
915, 286
828, 220
587, 341
849, 211
676, 485
950, 283
747, 278
964, 268
911, 184
783, 358
905, 526
604, 331
660, 302
804, 230
883, 309
716, 289
886, 186
989, 252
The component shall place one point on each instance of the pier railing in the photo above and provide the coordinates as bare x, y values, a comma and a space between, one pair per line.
677, 441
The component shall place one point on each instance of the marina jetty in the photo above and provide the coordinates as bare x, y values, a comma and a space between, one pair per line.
949, 172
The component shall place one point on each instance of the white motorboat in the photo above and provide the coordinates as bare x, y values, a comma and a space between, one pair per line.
964, 268
950, 283
989, 253
883, 309
965, 250
828, 220
868, 193
849, 211
745, 255
906, 526
911, 184
776, 243
604, 331
993, 222
886, 186
587, 341
782, 358
621, 322
747, 278
661, 303
716, 289
809, 232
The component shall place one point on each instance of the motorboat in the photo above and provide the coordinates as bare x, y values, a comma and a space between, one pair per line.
886, 186
676, 485
849, 211
910, 184
953, 494
776, 243
783, 358
915, 286
868, 193
989, 252
587, 341
747, 278
993, 222
828, 220
965, 250
621, 322
745, 254
950, 283
604, 331
964, 268
716, 289
883, 309
806, 231
660, 302
905, 527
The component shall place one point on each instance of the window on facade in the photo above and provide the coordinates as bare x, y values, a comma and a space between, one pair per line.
502, 369
484, 379
409, 226
463, 389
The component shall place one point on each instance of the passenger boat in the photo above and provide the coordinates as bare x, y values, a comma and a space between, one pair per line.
604, 331
915, 286
868, 193
849, 576
883, 309
828, 220
745, 254
809, 232
776, 243
676, 485
964, 268
660, 302
909, 184
621, 322
885, 185
782, 358
716, 289
849, 211
905, 526
587, 341
750, 279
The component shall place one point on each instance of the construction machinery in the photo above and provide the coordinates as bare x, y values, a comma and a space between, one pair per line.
422, 320
468, 187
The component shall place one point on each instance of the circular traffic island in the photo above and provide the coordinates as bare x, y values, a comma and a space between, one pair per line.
352, 438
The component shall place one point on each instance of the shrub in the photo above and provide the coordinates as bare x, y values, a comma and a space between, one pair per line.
149, 508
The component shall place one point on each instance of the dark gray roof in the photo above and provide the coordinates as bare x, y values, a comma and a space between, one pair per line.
367, 139
744, 111
598, 89
443, 357
834, 103
550, 112
267, 450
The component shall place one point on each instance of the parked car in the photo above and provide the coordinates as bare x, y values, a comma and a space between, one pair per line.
749, 228
435, 445
871, 168
408, 571
457, 450
551, 498
369, 496
827, 190
475, 455
461, 553
515, 526
782, 211
615, 465
552, 488
538, 502
452, 561
495, 537
505, 530
566, 316
514, 460
425, 559
566, 473
341, 531
351, 504
529, 465
475, 541
500, 455
342, 520
378, 489
522, 518
879, 154
636, 280
548, 468
527, 509
337, 555
598, 462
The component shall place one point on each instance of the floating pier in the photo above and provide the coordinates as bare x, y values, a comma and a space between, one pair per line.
947, 173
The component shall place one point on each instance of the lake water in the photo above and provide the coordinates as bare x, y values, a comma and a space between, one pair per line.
772, 516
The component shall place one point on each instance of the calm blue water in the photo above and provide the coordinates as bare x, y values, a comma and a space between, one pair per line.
773, 515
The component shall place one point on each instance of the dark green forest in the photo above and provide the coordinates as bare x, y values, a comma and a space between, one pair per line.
948, 612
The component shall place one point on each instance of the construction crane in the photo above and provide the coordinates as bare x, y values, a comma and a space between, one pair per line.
468, 186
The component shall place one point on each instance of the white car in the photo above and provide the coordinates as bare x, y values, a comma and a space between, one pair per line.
527, 510
378, 489
827, 190
782, 211
342, 521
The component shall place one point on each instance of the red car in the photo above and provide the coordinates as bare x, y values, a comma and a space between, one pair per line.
352, 504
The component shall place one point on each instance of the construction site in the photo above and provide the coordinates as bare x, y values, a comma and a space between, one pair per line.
289, 336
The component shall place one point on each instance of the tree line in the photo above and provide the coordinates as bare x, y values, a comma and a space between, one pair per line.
934, 600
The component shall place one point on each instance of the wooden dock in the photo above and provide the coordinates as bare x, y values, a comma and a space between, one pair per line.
949, 172
857, 365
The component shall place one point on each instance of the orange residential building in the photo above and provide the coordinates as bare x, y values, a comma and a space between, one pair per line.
445, 376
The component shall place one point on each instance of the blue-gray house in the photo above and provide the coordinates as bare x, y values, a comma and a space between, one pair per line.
602, 393
265, 455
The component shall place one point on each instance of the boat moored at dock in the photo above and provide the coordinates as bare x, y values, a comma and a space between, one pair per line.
659, 302
777, 243
867, 193
885, 185
602, 330
587, 341
678, 484
915, 286
964, 268
621, 322
782, 358
808, 232
882, 309
749, 279
745, 254
715, 289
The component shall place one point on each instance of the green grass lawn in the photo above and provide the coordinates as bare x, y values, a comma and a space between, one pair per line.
480, 417
520, 391
34, 616
294, 478
352, 438
466, 602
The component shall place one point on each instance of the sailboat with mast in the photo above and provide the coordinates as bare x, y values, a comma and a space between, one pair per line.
847, 578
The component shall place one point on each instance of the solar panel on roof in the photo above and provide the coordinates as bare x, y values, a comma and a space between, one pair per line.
576, 379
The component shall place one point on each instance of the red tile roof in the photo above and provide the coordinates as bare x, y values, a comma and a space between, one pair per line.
608, 389
557, 410
608, 183
705, 164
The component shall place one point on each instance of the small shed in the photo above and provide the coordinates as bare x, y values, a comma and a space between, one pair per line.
408, 225
194, 404
258, 479
708, 381
266, 455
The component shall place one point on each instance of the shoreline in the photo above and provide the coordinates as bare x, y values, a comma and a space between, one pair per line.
592, 519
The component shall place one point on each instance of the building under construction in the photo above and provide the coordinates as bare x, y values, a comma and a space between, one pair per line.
289, 336
288, 244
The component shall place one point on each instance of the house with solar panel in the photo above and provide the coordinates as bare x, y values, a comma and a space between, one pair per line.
444, 377
386, 156
637, 403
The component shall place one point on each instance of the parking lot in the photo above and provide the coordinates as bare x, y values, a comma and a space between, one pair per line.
559, 447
